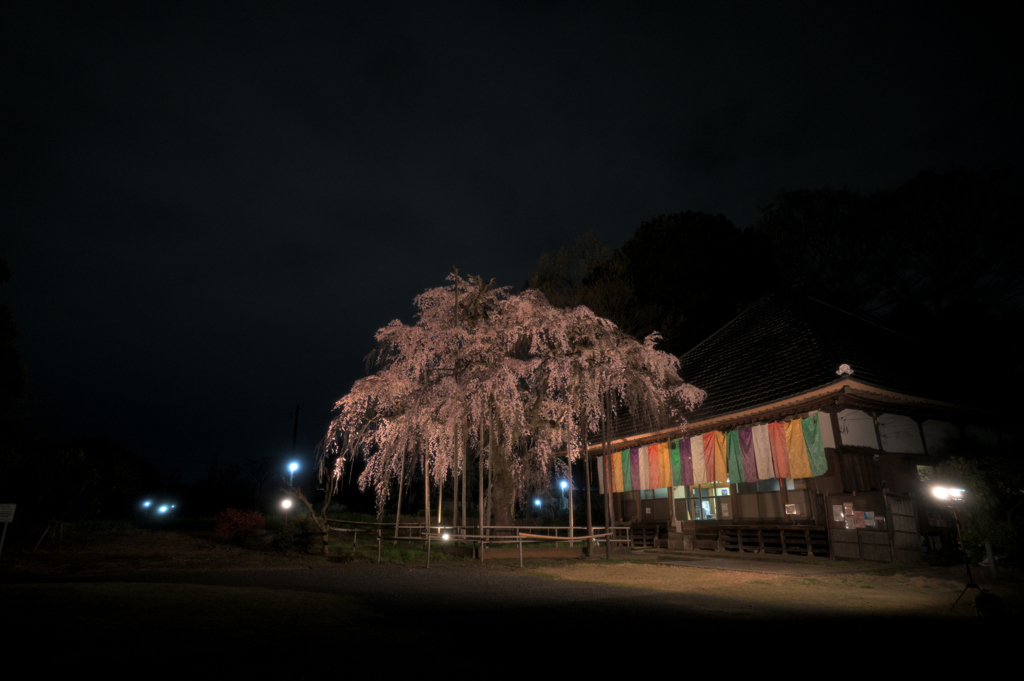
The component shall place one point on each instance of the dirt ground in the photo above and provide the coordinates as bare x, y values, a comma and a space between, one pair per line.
178, 597
837, 587
907, 593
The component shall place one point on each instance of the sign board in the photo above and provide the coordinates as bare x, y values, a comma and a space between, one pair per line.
7, 512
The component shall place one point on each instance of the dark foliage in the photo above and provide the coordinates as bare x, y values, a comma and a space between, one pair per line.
238, 526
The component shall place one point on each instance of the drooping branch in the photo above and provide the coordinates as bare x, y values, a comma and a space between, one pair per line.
533, 376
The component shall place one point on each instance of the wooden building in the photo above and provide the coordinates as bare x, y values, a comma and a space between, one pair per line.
869, 402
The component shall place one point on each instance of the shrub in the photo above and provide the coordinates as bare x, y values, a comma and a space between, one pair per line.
238, 526
300, 533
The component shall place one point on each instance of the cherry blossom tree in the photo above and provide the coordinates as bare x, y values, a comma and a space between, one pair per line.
507, 374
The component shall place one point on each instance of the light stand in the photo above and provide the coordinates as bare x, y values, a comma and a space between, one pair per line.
953, 498
967, 564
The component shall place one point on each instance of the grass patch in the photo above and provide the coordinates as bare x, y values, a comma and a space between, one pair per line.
404, 552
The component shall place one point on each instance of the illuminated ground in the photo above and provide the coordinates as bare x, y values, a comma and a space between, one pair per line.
220, 603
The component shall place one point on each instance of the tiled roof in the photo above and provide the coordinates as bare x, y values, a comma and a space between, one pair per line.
788, 344
784, 346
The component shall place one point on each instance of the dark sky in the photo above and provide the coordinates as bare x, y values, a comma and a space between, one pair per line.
207, 212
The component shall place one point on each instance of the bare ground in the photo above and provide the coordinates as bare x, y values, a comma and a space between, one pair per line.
182, 597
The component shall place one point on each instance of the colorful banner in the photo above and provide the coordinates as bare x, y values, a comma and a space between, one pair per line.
676, 462
780, 454
734, 454
763, 452
709, 456
721, 450
747, 453
799, 464
700, 476
815, 450
792, 449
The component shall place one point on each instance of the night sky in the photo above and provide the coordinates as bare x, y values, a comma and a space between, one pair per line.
208, 212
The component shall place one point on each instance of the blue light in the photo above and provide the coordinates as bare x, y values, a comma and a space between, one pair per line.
147, 504
293, 466
564, 484
163, 509
536, 502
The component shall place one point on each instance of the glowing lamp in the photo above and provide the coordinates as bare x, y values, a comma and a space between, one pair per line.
948, 493
286, 504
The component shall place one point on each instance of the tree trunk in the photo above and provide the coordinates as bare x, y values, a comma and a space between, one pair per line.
465, 474
426, 496
398, 512
320, 522
502, 487
455, 482
480, 470
590, 516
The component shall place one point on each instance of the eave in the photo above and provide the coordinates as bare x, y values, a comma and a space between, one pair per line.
844, 392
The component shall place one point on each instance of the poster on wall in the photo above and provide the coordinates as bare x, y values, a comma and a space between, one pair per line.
837, 513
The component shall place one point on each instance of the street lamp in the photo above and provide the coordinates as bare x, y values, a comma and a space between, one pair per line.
292, 467
953, 497
286, 504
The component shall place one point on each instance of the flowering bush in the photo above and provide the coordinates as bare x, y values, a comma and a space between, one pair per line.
238, 526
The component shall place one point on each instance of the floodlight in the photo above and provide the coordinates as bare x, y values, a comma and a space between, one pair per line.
163, 509
286, 504
147, 503
445, 536
948, 493
564, 484
293, 466
536, 502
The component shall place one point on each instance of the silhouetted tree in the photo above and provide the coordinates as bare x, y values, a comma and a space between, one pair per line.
682, 275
